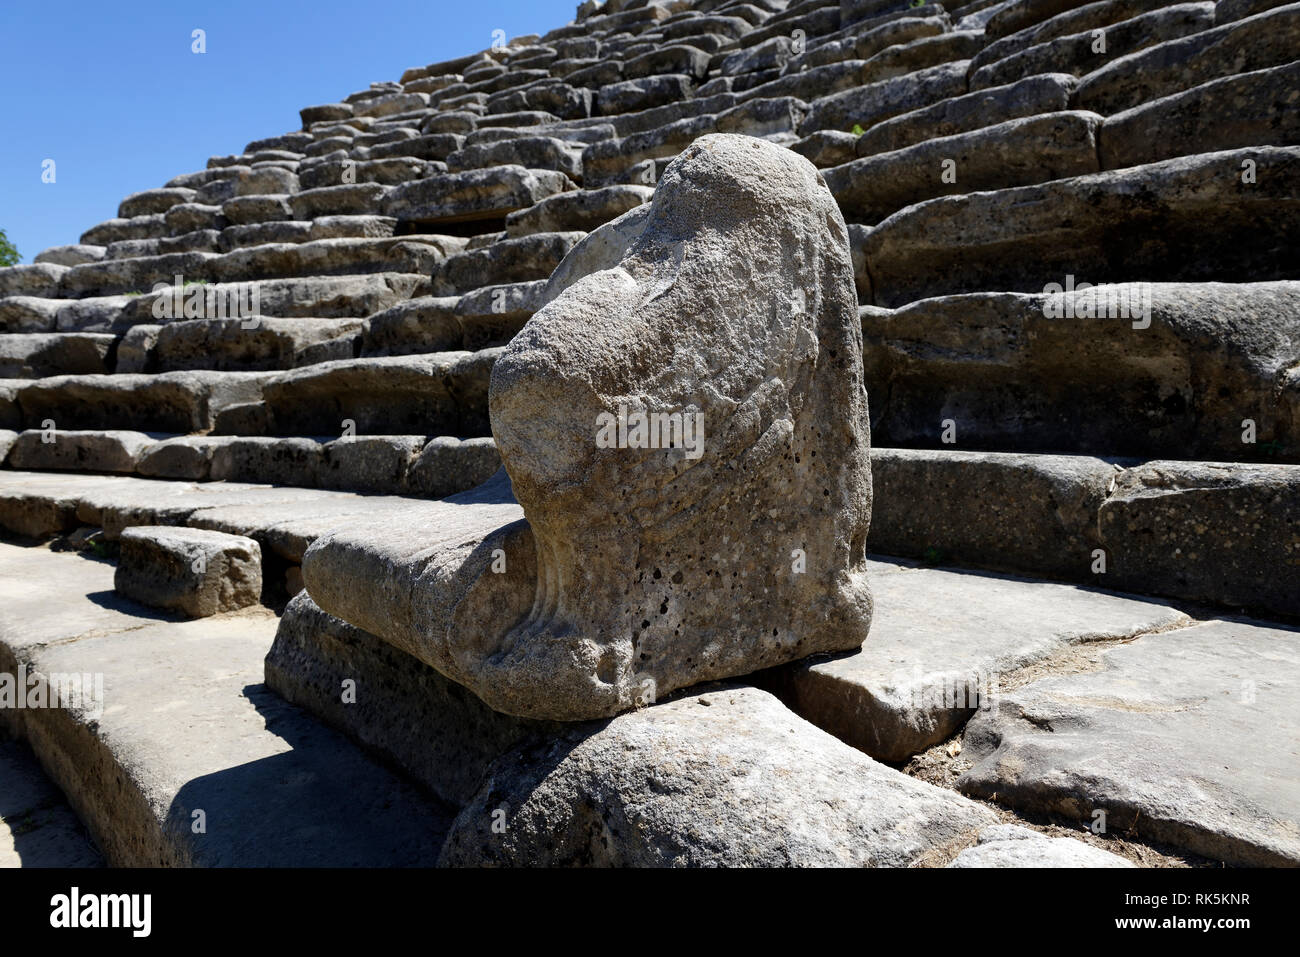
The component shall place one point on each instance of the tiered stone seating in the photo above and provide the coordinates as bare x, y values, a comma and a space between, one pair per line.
987, 157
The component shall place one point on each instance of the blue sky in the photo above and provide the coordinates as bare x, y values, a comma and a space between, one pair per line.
113, 94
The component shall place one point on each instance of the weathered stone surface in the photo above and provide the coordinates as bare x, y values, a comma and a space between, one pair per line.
1019, 152
867, 105
1186, 737
955, 507
587, 676
261, 343
642, 93
151, 201
472, 195
171, 402
719, 777
442, 392
281, 461
35, 355
511, 260
1207, 531
531, 152
1009, 845
73, 255
194, 571
448, 465
1252, 109
1042, 372
583, 210
1255, 43
290, 792
354, 199
1079, 53
42, 280
941, 642
28, 314
80, 451
1146, 222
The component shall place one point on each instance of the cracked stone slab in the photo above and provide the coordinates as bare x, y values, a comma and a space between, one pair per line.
939, 645
1189, 737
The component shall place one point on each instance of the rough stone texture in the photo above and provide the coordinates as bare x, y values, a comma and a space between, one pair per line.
1019, 152
1252, 109
1009, 845
1013, 371
197, 572
112, 451
955, 507
583, 210
475, 194
588, 648
1207, 531
940, 643
870, 104
1186, 737
276, 787
1255, 43
722, 777
37, 355
1145, 222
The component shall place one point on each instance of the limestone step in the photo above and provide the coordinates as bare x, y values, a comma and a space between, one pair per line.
1019, 152
1049, 93
886, 98
474, 195
328, 297
444, 393
258, 344
35, 355
1085, 52
293, 231
1251, 109
1254, 43
168, 402
1042, 372
271, 785
941, 643
488, 316
1080, 19
522, 259
319, 257
1185, 737
1089, 227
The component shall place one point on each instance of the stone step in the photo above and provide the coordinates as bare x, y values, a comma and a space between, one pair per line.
327, 297
489, 316
941, 643
581, 210
1185, 737
1090, 227
1049, 93
36, 355
1081, 53
1041, 372
1090, 16
169, 402
320, 257
259, 344
271, 785
1258, 108
73, 255
867, 105
473, 196
1265, 40
293, 231
522, 259
1019, 152
390, 395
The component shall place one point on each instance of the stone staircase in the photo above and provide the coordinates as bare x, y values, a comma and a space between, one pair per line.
1075, 233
